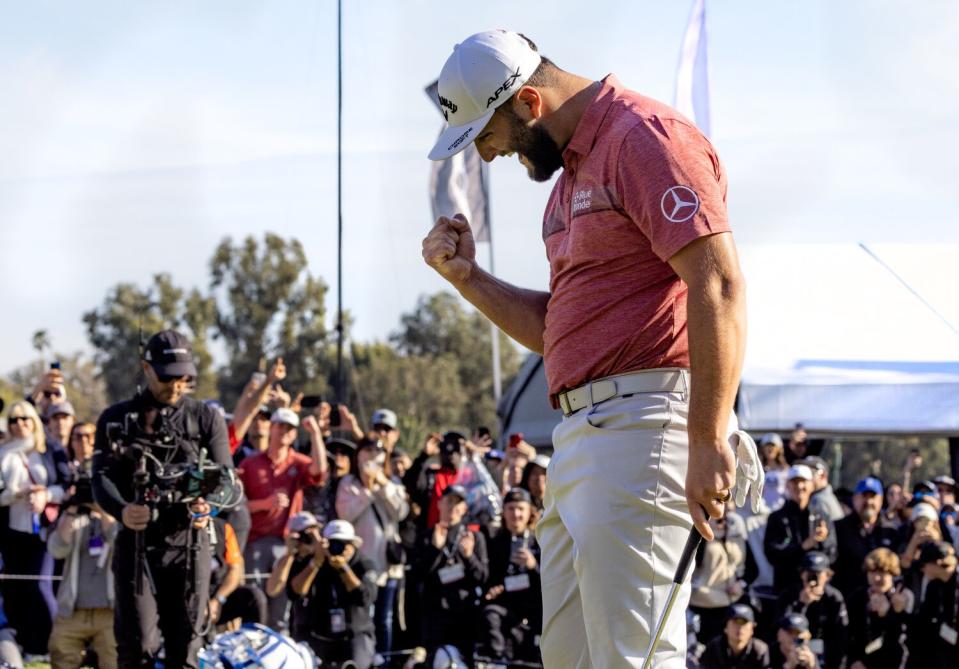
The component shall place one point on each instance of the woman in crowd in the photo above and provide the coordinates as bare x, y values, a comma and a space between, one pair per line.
878, 615
375, 505
31, 491
774, 463
716, 581
534, 482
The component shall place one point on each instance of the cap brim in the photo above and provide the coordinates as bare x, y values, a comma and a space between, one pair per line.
454, 139
175, 368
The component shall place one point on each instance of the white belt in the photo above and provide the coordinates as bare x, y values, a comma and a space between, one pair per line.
623, 385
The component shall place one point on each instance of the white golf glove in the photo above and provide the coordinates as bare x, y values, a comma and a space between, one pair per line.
750, 477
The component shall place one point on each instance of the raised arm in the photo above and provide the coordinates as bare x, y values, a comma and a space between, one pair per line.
449, 248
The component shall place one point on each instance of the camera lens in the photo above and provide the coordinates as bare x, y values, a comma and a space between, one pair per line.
336, 547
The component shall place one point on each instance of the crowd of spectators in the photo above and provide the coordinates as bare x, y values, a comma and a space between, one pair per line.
365, 551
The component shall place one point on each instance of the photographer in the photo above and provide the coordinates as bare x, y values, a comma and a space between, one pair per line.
736, 647
514, 608
425, 482
166, 585
823, 607
934, 630
84, 538
880, 614
338, 585
791, 650
450, 564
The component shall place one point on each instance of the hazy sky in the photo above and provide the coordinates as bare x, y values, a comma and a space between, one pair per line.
135, 136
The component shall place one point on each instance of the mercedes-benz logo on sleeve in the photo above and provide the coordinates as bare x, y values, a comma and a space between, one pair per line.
679, 204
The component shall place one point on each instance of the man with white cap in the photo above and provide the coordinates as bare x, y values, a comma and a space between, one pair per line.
274, 481
645, 291
793, 530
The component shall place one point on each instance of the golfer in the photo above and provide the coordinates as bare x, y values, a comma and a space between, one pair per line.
642, 332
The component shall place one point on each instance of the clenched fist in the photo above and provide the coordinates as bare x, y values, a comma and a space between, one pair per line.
450, 249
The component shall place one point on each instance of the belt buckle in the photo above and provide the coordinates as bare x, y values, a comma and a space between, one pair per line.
564, 404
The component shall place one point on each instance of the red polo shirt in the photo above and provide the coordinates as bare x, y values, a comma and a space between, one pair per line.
639, 183
261, 478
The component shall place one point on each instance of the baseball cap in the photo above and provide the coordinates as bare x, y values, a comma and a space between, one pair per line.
517, 495
342, 530
482, 73
815, 463
452, 442
302, 521
170, 354
815, 561
741, 612
285, 416
771, 438
457, 490
925, 488
923, 510
59, 408
340, 446
541, 461
494, 455
945, 480
384, 417
869, 484
794, 622
799, 472
933, 551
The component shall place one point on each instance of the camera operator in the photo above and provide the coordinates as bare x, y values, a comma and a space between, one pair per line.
425, 483
450, 564
824, 609
339, 586
84, 538
514, 612
791, 650
165, 587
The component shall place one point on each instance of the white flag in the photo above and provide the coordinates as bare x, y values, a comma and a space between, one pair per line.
458, 185
692, 79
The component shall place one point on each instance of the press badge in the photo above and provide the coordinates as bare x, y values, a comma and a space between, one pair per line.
337, 621
516, 583
95, 546
949, 635
816, 646
452, 574
873, 646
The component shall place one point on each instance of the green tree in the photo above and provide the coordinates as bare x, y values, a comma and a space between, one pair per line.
41, 342
269, 305
440, 326
114, 330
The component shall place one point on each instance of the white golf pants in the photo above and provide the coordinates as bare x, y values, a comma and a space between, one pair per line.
613, 529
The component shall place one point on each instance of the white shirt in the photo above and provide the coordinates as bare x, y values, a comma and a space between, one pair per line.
16, 479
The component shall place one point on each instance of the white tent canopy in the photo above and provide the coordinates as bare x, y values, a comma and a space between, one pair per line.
836, 341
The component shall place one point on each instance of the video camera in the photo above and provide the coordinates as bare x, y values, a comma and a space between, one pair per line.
82, 497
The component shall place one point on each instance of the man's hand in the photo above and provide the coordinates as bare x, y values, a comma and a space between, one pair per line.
879, 604
38, 497
320, 552
51, 382
449, 248
136, 516
338, 562
279, 500
432, 445
902, 599
277, 372
213, 610
440, 531
709, 479
349, 421
279, 398
312, 427
202, 508
525, 557
494, 592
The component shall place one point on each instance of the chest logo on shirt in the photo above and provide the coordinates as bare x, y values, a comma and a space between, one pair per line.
582, 200
679, 204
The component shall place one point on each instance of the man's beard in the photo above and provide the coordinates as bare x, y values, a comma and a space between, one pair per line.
542, 154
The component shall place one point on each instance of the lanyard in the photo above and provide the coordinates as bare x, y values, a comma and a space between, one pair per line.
450, 550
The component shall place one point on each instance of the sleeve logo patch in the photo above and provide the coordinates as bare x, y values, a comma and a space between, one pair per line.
679, 204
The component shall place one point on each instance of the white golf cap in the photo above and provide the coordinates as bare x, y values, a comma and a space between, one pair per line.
923, 510
483, 72
285, 416
342, 530
384, 417
799, 472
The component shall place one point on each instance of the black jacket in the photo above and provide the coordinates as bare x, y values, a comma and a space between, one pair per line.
828, 621
786, 530
867, 628
525, 603
438, 597
719, 656
191, 420
927, 648
853, 544
327, 592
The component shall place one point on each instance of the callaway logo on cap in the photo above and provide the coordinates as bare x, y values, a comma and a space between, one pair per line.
483, 73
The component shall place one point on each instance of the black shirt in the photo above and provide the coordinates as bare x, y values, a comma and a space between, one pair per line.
113, 473
718, 655
328, 594
853, 544
828, 621
786, 530
429, 565
524, 602
940, 606
873, 640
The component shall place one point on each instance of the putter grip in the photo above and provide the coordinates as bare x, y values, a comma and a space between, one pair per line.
689, 551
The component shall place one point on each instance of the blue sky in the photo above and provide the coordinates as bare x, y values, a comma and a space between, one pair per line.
137, 135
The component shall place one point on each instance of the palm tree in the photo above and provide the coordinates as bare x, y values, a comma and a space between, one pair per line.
41, 342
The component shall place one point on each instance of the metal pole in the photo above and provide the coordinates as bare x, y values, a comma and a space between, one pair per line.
339, 202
